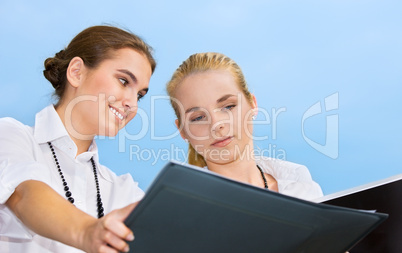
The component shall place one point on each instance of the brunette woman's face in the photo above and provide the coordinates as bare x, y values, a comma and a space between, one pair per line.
108, 97
215, 115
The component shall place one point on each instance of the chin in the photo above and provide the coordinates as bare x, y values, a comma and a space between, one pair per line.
224, 158
113, 133
109, 132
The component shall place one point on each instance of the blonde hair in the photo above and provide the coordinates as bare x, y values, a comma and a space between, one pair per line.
202, 62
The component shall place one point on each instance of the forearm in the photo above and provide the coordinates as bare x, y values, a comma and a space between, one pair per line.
47, 213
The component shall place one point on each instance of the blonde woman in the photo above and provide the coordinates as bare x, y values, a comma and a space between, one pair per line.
215, 111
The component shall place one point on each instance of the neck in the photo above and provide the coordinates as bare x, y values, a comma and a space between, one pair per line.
82, 141
82, 145
245, 171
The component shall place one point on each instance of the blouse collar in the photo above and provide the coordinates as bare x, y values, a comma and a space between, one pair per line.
49, 127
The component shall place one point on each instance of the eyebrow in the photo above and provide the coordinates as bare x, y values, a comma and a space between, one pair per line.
223, 98
192, 109
131, 75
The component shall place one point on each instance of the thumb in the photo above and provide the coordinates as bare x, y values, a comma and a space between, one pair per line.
119, 228
125, 211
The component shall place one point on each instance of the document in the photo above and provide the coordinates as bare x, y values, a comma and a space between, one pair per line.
188, 210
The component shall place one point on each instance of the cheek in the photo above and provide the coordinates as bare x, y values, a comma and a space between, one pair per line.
197, 132
247, 125
199, 148
131, 116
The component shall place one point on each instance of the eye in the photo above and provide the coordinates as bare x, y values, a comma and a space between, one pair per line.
139, 96
229, 107
123, 81
197, 119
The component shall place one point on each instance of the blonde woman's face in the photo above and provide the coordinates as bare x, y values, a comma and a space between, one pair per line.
215, 115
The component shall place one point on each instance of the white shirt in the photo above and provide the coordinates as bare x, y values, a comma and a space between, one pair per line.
292, 179
25, 155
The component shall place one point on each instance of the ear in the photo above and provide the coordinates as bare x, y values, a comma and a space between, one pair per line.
254, 105
75, 71
182, 134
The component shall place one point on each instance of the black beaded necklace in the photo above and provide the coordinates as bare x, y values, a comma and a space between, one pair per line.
263, 177
67, 189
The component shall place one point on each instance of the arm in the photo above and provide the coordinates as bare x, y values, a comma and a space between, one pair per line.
47, 213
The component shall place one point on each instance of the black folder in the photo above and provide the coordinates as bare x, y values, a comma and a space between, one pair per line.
382, 196
190, 210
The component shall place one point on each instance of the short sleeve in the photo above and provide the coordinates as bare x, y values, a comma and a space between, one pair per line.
12, 227
18, 163
18, 158
300, 184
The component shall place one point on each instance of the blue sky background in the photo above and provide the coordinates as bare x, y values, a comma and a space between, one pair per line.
294, 54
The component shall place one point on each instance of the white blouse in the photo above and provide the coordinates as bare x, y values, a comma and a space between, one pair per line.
25, 155
293, 179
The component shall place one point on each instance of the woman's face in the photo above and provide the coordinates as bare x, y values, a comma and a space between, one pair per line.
215, 115
107, 98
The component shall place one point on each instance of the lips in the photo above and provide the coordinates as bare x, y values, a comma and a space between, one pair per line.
222, 142
116, 113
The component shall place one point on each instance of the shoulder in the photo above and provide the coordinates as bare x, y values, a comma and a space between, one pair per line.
11, 123
14, 130
293, 179
284, 169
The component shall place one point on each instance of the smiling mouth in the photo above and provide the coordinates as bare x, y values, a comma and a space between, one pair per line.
223, 142
116, 113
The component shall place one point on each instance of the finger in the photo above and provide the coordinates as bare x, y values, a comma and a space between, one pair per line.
118, 228
114, 222
115, 242
125, 211
107, 249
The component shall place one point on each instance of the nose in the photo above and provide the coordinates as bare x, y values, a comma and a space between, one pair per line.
130, 102
218, 125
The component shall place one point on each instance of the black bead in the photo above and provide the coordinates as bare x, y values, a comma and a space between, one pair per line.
68, 194
66, 188
263, 177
